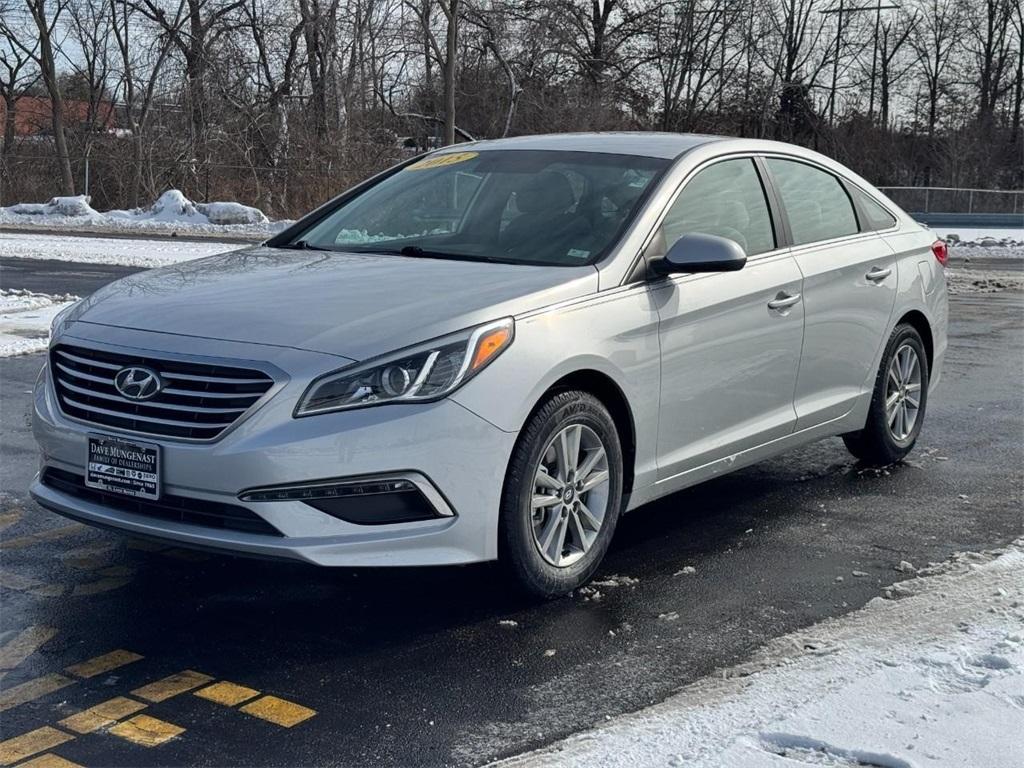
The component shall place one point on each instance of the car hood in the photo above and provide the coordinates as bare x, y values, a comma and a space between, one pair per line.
346, 304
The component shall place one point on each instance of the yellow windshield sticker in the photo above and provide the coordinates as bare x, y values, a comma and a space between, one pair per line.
439, 161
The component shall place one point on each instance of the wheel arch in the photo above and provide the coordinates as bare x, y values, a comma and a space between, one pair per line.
604, 388
919, 322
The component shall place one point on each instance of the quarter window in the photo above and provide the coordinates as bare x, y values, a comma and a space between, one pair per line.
725, 199
875, 216
817, 206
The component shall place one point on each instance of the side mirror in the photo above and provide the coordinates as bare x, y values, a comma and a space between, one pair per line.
699, 252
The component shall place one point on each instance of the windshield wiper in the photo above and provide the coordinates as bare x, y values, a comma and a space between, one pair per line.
304, 245
423, 253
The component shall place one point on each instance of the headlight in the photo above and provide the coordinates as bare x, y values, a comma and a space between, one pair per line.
425, 372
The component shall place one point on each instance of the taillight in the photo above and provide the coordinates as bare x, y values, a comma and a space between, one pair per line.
941, 251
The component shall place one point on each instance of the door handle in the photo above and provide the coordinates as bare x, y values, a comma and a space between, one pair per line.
783, 301
878, 274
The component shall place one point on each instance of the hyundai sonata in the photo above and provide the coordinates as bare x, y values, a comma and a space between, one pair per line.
493, 351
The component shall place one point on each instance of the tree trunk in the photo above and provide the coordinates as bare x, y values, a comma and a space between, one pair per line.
48, 70
450, 64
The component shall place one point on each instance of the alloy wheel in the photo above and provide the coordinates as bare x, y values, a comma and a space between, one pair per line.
903, 392
570, 495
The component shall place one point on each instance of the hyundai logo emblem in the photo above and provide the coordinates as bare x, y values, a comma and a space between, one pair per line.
138, 383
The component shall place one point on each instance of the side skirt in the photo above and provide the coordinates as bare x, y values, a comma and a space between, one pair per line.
848, 422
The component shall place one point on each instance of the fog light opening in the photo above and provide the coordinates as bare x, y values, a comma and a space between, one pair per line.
370, 501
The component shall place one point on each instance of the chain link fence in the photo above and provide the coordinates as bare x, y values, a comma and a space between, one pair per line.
957, 200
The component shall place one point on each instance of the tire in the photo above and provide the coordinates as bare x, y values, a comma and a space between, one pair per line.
886, 439
524, 530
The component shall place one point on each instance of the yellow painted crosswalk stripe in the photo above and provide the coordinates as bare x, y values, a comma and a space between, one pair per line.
31, 743
278, 711
146, 731
23, 645
102, 664
48, 535
164, 689
49, 760
228, 694
102, 715
33, 689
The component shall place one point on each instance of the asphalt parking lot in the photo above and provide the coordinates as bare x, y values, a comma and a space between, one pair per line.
202, 659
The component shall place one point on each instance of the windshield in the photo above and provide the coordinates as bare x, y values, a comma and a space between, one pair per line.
517, 206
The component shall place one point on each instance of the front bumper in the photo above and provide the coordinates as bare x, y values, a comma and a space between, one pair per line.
461, 455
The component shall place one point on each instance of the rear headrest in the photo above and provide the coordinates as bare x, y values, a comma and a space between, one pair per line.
547, 192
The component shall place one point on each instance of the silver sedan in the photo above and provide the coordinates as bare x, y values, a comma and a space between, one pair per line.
494, 351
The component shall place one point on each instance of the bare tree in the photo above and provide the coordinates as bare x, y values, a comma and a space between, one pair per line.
934, 43
139, 72
16, 75
193, 28
891, 39
42, 51
991, 35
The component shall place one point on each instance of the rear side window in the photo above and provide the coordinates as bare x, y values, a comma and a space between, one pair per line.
875, 216
725, 199
817, 206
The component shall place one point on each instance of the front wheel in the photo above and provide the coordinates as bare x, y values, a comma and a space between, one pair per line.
562, 496
898, 403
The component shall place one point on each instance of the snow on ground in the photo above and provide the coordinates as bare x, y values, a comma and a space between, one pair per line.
980, 234
933, 676
986, 265
129, 252
25, 319
172, 212
960, 281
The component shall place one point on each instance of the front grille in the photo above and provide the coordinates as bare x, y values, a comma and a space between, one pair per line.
179, 509
198, 401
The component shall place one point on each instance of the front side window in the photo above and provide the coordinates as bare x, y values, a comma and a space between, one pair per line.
518, 206
817, 206
725, 199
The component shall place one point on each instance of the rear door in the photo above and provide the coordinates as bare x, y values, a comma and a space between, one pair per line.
849, 288
730, 342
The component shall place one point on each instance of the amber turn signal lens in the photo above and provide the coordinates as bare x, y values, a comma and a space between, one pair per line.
489, 345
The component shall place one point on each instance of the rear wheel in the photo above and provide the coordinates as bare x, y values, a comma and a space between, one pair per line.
898, 403
562, 495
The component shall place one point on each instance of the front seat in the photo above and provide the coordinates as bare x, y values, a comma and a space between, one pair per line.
545, 220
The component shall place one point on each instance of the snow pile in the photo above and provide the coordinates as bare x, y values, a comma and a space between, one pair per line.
172, 205
225, 214
935, 678
129, 252
25, 319
172, 212
77, 205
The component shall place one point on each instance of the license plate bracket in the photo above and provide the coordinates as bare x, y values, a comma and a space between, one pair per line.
123, 466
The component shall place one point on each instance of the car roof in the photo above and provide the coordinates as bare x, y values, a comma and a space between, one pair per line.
643, 143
